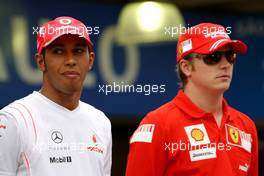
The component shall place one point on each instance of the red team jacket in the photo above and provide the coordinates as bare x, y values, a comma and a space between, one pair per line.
181, 139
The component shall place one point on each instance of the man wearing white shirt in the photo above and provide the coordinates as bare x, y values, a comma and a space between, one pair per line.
52, 132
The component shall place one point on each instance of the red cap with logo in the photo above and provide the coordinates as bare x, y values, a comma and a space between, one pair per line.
54, 29
206, 38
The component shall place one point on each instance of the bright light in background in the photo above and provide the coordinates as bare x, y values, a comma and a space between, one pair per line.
149, 16
145, 22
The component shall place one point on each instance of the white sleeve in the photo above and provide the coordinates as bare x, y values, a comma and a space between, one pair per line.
108, 156
10, 144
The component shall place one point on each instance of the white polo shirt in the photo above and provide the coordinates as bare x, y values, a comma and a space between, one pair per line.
41, 138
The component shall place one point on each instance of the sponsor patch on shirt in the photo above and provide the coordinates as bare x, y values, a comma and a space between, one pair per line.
237, 137
202, 154
63, 159
244, 167
94, 146
143, 133
2, 126
197, 134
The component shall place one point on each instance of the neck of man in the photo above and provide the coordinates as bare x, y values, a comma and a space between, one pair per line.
67, 100
207, 100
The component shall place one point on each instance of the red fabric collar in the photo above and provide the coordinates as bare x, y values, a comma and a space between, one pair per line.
184, 103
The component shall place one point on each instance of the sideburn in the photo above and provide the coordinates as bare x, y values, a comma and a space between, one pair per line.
43, 54
193, 68
45, 65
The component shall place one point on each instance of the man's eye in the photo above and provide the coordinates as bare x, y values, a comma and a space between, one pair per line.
79, 50
57, 51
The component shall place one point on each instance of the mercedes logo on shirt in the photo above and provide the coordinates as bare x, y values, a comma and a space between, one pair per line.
57, 137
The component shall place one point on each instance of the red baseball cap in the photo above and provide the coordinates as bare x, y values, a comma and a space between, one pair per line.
206, 38
54, 29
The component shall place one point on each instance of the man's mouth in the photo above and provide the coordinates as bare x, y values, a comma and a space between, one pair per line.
71, 74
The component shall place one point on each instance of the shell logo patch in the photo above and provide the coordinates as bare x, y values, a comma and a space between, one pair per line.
197, 134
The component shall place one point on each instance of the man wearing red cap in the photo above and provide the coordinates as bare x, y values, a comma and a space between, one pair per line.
51, 132
198, 133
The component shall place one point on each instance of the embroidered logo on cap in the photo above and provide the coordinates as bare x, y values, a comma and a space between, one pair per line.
186, 45
180, 50
217, 43
216, 34
65, 21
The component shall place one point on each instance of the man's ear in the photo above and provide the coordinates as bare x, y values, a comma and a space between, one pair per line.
91, 60
186, 67
40, 60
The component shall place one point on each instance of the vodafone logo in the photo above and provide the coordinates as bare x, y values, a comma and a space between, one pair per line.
65, 21
94, 139
2, 125
94, 147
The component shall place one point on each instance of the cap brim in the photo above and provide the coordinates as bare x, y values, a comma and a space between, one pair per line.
89, 43
236, 45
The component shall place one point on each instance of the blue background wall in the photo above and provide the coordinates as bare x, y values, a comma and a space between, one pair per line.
149, 64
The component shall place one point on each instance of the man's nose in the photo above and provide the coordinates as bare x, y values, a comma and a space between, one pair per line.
224, 62
70, 60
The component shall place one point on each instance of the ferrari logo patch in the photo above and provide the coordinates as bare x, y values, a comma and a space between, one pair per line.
234, 134
237, 137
